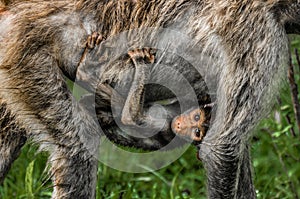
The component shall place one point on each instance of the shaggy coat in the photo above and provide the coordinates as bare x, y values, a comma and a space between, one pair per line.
42, 41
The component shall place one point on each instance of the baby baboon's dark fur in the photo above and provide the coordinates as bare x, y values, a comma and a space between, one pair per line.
41, 41
130, 74
131, 84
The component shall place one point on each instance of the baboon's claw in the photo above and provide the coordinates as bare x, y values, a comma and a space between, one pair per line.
146, 54
93, 40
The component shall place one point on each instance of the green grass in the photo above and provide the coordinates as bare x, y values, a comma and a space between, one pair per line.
183, 179
275, 155
275, 159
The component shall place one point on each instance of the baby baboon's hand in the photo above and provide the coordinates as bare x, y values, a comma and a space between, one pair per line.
145, 54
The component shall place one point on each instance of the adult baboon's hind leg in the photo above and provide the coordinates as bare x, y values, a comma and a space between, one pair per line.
12, 138
60, 125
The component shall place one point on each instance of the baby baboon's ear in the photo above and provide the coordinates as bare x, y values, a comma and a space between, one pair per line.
288, 13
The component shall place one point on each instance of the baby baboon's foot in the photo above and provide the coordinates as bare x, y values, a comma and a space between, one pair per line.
144, 54
93, 40
192, 124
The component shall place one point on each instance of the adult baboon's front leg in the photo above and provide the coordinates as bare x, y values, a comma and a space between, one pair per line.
245, 187
225, 154
224, 150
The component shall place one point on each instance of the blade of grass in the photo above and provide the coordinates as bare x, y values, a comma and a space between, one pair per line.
29, 180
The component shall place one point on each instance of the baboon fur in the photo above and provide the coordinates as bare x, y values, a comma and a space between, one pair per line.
41, 42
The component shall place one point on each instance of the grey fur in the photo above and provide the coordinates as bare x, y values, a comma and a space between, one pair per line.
247, 39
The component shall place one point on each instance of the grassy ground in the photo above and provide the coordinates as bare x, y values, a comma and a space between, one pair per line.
275, 154
275, 158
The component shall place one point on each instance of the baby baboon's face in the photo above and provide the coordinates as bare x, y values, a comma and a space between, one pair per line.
192, 124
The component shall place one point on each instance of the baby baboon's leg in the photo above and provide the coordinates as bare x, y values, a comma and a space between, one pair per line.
133, 108
12, 138
105, 98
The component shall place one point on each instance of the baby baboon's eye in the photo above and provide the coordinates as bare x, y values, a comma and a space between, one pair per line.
197, 117
197, 132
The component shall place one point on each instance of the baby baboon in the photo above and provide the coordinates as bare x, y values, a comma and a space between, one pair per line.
131, 75
164, 136
43, 41
134, 102
142, 61
192, 124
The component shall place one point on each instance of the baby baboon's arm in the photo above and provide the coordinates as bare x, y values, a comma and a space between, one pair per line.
132, 111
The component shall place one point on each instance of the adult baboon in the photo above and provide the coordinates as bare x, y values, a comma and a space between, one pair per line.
43, 40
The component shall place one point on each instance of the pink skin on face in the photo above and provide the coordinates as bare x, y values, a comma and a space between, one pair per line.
191, 124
